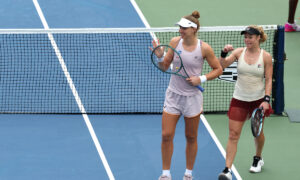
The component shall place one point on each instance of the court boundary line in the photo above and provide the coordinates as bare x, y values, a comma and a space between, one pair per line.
206, 124
219, 145
74, 91
141, 15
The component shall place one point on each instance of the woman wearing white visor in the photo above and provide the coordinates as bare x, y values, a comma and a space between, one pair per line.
182, 97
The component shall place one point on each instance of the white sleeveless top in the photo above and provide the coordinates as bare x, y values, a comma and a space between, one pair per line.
250, 82
193, 63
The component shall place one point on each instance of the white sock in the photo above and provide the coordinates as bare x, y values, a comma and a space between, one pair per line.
188, 172
166, 173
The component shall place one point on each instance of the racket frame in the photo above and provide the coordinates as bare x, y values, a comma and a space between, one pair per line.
179, 69
254, 122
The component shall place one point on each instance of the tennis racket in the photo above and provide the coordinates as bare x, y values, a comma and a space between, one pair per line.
256, 121
176, 67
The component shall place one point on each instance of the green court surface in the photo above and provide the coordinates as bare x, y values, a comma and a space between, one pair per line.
281, 151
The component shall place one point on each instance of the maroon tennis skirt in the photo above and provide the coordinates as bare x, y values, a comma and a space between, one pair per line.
242, 110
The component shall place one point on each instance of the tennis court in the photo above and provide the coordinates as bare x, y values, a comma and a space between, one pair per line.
118, 144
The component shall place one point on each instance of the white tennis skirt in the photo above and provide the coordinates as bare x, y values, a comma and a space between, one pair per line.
188, 106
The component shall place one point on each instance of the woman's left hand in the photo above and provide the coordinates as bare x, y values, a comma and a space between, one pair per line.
194, 80
265, 105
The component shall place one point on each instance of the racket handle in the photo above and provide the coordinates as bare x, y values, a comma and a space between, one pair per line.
200, 88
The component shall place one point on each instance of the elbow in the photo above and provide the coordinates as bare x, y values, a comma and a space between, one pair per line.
220, 71
222, 67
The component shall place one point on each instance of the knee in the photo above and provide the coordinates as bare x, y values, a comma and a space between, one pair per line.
166, 137
191, 138
234, 136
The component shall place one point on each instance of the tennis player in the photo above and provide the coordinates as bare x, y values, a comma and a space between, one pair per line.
182, 97
252, 89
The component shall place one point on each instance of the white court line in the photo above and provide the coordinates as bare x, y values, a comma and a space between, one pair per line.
75, 93
211, 132
141, 15
219, 145
138, 10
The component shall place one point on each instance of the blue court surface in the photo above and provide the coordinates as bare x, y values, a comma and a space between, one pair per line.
60, 147
127, 146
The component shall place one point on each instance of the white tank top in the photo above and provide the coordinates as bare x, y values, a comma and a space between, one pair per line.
193, 63
250, 82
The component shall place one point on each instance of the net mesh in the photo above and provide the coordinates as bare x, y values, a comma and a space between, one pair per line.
110, 69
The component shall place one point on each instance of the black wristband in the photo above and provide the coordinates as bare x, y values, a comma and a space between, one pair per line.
267, 99
223, 54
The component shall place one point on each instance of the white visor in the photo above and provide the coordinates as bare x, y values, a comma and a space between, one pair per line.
186, 23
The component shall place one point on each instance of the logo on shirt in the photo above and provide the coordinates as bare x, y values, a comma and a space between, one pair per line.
229, 73
259, 66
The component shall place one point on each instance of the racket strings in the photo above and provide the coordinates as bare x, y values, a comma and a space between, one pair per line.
256, 122
175, 67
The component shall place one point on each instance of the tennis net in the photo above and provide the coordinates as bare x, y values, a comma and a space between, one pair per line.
105, 70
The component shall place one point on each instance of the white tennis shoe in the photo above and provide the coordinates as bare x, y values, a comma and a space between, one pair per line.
164, 177
187, 177
225, 175
257, 164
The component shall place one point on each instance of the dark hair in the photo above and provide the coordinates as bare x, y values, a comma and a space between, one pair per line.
194, 18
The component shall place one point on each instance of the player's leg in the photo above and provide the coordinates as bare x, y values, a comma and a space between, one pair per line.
238, 113
292, 11
258, 162
235, 128
191, 134
170, 117
259, 141
192, 110
169, 122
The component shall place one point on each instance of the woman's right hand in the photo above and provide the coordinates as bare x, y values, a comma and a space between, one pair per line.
158, 52
228, 48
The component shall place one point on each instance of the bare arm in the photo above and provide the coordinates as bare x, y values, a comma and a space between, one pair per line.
227, 61
268, 73
213, 62
268, 65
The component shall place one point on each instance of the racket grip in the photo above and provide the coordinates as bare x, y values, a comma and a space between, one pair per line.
200, 88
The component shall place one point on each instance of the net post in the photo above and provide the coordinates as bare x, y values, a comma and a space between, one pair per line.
278, 72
